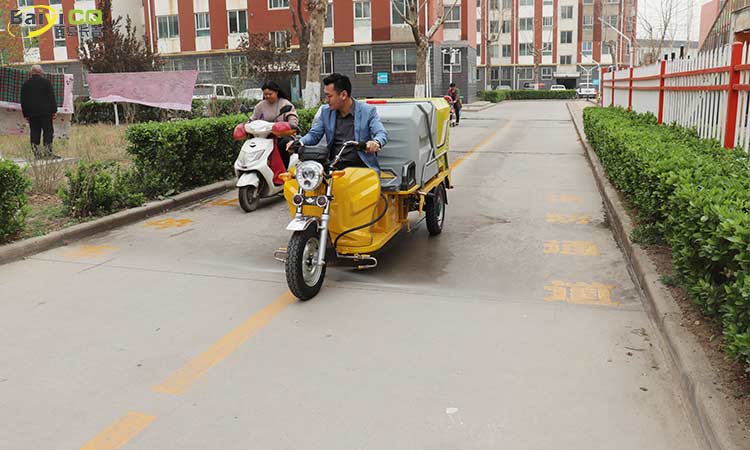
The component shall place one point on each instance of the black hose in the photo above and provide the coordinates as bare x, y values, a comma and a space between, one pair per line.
351, 230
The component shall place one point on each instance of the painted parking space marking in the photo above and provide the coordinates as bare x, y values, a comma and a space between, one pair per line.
579, 293
120, 432
225, 202
169, 222
575, 248
184, 377
561, 198
579, 219
91, 251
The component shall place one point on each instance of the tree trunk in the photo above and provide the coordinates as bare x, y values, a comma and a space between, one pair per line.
317, 22
420, 85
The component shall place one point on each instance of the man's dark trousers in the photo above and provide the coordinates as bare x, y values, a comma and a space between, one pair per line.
39, 125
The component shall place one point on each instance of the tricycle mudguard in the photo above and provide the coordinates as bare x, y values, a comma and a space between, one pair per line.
301, 223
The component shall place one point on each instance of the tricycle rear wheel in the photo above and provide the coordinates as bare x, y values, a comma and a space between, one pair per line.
435, 210
303, 276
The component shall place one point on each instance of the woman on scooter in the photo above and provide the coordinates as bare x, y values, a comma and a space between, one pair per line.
269, 110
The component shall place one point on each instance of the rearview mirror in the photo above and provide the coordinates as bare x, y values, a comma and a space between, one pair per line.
285, 109
244, 109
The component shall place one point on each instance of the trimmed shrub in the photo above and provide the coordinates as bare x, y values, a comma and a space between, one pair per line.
494, 96
99, 188
189, 153
692, 194
13, 187
541, 95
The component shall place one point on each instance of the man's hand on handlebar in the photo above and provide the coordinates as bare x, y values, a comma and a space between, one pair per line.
293, 146
373, 147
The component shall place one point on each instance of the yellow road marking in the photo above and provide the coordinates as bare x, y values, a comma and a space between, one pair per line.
181, 380
580, 293
473, 150
559, 198
168, 223
225, 202
120, 432
580, 219
91, 251
579, 248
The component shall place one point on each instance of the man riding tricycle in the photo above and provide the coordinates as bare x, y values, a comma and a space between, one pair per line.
351, 197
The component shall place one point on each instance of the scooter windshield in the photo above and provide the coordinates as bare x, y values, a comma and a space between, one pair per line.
259, 128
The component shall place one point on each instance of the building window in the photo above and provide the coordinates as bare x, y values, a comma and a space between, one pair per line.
403, 60
171, 65
588, 21
547, 22
566, 12
396, 7
526, 73
204, 69
363, 61
507, 73
587, 48
479, 25
526, 24
479, 50
58, 30
588, 2
58, 69
547, 73
526, 49
613, 20
629, 26
278, 4
279, 39
55, 2
527, 2
494, 4
168, 26
494, 27
506, 26
507, 4
566, 37
546, 48
362, 10
27, 41
548, 2
202, 24
447, 62
566, 59
237, 21
329, 15
452, 16
507, 51
237, 66
327, 66
494, 51
24, 3
495, 73
613, 2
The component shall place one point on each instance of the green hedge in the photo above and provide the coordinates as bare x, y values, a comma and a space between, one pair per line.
502, 95
695, 196
13, 186
190, 153
89, 112
99, 188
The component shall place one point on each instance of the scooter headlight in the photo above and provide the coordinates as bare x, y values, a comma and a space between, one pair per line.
309, 175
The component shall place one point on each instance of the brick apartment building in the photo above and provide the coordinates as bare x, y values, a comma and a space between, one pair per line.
365, 39
724, 22
561, 35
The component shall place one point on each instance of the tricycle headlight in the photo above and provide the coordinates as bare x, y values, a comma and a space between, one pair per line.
309, 175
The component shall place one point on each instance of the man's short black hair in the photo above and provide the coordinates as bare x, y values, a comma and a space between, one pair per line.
340, 83
452, 85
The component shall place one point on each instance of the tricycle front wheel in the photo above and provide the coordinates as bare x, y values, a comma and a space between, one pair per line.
303, 275
435, 210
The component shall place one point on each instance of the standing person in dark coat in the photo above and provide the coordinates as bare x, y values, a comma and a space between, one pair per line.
39, 108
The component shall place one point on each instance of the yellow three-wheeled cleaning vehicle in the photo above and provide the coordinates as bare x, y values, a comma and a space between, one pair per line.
350, 214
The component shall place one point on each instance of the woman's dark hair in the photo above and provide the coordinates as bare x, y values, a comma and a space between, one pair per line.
272, 86
452, 85
340, 83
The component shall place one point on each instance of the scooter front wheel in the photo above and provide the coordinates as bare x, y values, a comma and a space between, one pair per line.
303, 275
249, 198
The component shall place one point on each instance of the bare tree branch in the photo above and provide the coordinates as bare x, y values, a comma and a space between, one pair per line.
440, 20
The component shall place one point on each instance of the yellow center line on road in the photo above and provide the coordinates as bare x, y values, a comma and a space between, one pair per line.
474, 149
181, 380
120, 432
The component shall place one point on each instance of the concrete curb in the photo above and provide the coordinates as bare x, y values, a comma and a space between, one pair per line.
716, 421
22, 249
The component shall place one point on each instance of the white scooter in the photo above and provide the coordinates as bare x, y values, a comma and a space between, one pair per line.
259, 163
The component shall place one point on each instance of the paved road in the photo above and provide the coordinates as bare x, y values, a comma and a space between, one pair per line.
518, 328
